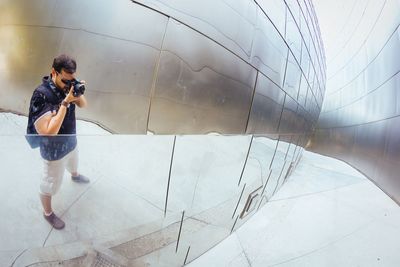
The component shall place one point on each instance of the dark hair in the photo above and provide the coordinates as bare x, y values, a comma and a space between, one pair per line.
64, 62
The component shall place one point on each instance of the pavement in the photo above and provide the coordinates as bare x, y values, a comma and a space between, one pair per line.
326, 214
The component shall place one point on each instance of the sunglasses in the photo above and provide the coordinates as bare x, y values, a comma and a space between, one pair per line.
67, 82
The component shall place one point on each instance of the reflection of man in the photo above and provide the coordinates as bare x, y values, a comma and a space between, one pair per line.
52, 115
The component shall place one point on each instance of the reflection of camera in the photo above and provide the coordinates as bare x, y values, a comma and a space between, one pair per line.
78, 87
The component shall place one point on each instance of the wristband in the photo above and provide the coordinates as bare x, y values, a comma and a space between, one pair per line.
65, 104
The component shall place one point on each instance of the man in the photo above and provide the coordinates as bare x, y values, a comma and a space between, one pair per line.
52, 116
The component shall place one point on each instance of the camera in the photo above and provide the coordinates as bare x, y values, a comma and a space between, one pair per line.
78, 87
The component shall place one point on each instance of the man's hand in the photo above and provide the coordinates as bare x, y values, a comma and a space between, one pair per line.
70, 97
80, 101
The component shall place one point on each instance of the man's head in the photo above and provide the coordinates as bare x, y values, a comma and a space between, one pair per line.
63, 71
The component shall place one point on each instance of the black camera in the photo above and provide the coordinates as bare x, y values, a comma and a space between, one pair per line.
78, 87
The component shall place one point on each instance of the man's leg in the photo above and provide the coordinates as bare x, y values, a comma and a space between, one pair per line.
72, 167
46, 203
72, 162
51, 182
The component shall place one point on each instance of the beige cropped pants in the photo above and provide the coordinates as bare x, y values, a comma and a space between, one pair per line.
54, 172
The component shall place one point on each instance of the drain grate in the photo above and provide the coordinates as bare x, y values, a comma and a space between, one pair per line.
102, 262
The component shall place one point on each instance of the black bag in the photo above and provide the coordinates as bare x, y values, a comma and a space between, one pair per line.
32, 136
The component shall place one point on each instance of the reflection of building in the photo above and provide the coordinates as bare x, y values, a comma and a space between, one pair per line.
151, 194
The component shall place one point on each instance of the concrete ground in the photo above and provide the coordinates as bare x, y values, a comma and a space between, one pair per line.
326, 214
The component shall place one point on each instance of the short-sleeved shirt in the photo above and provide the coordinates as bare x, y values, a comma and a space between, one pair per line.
57, 146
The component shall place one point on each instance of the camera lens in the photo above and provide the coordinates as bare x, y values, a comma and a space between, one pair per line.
79, 89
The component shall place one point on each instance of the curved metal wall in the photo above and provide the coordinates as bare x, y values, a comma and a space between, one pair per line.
181, 67
360, 120
250, 68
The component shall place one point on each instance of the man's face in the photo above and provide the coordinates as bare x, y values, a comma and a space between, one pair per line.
63, 78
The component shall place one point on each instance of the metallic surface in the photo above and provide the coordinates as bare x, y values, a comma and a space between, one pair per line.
169, 67
200, 86
360, 117
254, 69
116, 58
267, 107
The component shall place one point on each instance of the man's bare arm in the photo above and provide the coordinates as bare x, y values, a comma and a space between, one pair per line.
81, 102
50, 123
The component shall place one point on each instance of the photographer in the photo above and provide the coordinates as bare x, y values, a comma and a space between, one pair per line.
52, 117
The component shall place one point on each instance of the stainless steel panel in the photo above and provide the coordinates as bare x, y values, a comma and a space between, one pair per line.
126, 64
262, 151
302, 118
292, 148
293, 6
364, 80
309, 101
289, 122
347, 46
386, 176
88, 16
118, 91
212, 162
276, 168
19, 12
292, 77
200, 86
381, 103
302, 93
24, 63
121, 20
386, 24
275, 10
358, 121
384, 58
235, 33
309, 38
313, 86
392, 145
396, 82
267, 107
269, 50
292, 34
366, 108
369, 145
305, 57
377, 27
